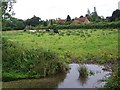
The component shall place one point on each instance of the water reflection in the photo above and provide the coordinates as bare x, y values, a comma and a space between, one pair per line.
50, 82
75, 80
72, 79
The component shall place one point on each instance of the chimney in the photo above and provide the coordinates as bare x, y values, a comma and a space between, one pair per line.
94, 9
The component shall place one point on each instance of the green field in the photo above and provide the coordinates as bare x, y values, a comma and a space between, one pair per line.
78, 45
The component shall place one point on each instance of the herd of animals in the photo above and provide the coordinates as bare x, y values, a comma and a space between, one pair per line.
47, 30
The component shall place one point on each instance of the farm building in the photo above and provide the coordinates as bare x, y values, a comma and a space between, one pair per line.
59, 20
80, 20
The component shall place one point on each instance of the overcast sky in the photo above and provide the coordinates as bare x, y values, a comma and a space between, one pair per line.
52, 9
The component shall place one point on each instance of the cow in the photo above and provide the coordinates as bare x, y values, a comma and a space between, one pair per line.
55, 31
47, 30
25, 30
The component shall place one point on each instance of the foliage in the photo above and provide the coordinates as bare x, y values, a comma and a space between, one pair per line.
115, 16
94, 17
34, 21
83, 74
27, 63
7, 7
13, 24
68, 18
114, 80
83, 71
99, 25
29, 28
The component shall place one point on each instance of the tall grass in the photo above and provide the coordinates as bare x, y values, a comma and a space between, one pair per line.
114, 80
83, 73
20, 62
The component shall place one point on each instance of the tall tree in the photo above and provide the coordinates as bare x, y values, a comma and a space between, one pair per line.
116, 15
68, 18
34, 21
7, 12
7, 6
88, 12
94, 16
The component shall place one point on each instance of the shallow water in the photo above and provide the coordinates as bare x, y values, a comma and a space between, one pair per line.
70, 80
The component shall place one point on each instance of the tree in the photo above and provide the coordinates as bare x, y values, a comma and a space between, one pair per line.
68, 18
88, 12
6, 10
13, 24
51, 22
7, 6
45, 23
81, 16
34, 21
93, 16
115, 15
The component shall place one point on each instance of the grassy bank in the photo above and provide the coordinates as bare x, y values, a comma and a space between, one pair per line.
19, 62
114, 80
24, 50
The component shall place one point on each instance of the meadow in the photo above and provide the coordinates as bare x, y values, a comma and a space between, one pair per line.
98, 45
70, 45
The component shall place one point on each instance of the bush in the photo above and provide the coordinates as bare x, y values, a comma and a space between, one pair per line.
98, 25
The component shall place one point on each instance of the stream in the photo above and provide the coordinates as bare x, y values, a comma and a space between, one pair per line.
71, 79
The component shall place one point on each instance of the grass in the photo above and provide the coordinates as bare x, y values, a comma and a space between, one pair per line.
101, 45
20, 62
83, 74
83, 71
114, 80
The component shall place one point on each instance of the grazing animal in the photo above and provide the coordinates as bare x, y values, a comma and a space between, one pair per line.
55, 31
25, 30
31, 30
42, 31
47, 30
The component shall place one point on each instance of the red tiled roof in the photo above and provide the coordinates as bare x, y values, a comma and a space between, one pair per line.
82, 19
61, 20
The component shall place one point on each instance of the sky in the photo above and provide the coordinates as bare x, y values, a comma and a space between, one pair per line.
52, 9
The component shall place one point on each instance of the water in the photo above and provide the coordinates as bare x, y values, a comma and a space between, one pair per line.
73, 80
70, 80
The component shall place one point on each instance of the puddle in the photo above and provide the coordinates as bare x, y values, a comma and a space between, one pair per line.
70, 80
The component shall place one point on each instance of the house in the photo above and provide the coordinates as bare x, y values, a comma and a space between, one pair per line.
80, 20
59, 20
